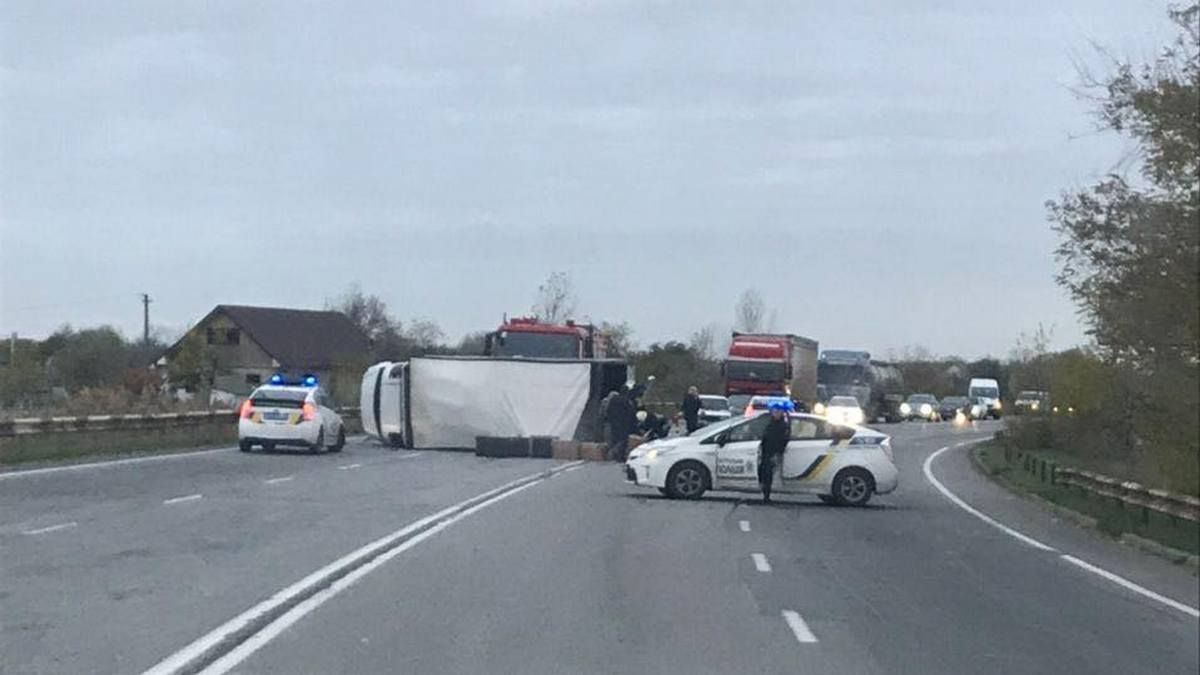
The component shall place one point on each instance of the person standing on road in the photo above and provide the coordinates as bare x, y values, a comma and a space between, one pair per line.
774, 443
604, 425
691, 409
622, 420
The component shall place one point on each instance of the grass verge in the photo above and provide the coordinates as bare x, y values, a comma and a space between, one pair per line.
1024, 472
78, 446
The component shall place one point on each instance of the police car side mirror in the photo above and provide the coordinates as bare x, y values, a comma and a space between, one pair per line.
722, 439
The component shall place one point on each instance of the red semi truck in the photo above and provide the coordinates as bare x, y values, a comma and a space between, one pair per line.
762, 364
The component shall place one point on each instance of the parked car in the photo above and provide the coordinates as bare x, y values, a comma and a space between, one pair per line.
839, 464
713, 408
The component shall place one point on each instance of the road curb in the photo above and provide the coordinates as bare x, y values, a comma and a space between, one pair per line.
1142, 544
206, 650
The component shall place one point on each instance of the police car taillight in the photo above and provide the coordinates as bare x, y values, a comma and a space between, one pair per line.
309, 412
247, 409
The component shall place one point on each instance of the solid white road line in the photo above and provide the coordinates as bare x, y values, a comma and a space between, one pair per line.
255, 642
571, 469
349, 466
52, 528
928, 468
281, 479
799, 628
760, 562
1122, 581
182, 658
1098, 571
22, 473
185, 498
744, 525
411, 455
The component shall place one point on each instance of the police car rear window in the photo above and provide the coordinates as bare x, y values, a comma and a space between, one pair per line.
281, 398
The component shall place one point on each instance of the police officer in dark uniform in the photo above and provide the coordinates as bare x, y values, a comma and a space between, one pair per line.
774, 443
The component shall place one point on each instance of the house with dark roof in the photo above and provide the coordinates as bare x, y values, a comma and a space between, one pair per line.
244, 346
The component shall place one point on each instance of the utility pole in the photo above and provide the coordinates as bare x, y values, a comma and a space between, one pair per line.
145, 318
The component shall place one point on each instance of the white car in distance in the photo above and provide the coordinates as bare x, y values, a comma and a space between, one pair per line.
839, 464
296, 414
844, 410
713, 408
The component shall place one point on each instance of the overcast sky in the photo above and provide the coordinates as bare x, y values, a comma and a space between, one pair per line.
878, 170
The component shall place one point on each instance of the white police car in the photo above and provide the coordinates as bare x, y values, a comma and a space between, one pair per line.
839, 464
283, 413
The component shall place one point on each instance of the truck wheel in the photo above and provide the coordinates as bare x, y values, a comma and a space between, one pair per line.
853, 487
395, 441
687, 480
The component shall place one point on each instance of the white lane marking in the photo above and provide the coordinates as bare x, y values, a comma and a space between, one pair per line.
177, 661
571, 469
1099, 571
52, 528
281, 479
760, 562
349, 466
1123, 582
185, 498
744, 525
972, 510
411, 455
799, 628
257, 641
20, 473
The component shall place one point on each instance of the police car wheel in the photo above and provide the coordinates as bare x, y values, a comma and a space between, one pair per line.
687, 480
320, 442
341, 441
853, 487
828, 499
268, 446
245, 446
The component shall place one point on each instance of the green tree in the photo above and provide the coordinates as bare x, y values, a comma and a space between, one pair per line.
1130, 256
193, 365
92, 357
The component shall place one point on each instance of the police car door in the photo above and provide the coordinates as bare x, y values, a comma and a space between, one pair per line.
737, 455
808, 455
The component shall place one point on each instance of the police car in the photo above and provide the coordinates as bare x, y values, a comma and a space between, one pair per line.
839, 464
283, 413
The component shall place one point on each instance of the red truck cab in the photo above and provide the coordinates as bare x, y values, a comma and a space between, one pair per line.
527, 337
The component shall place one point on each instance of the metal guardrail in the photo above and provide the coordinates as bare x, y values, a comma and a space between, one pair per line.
1131, 493
1124, 492
83, 423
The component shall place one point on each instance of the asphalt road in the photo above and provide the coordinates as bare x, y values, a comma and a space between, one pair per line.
115, 568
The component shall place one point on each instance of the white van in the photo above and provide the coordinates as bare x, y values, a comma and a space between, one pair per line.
985, 392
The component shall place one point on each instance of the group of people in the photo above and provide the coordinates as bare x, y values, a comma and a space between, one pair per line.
619, 411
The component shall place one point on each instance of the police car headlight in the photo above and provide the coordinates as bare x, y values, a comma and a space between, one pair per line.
651, 454
905, 408
926, 409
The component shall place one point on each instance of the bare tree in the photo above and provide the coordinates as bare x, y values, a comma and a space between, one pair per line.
702, 341
424, 333
367, 312
750, 311
618, 338
555, 299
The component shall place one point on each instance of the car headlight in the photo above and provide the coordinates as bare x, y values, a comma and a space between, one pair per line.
856, 416
652, 454
999, 405
819, 408
1034, 406
926, 409
905, 408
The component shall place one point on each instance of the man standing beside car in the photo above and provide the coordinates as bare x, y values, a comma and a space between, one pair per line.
691, 409
773, 444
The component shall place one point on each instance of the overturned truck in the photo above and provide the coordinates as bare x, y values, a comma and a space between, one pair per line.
449, 401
